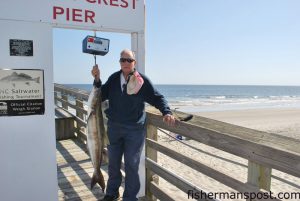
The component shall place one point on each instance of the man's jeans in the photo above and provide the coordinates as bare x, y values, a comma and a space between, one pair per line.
127, 140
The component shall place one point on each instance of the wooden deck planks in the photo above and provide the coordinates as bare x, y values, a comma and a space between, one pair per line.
74, 171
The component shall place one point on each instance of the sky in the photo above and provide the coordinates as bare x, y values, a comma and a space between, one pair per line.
205, 42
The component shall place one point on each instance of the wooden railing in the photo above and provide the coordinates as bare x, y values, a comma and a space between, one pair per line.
62, 95
264, 151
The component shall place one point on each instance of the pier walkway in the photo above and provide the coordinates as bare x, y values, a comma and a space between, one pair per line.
262, 153
74, 171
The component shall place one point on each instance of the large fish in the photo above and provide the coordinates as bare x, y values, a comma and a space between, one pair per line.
95, 135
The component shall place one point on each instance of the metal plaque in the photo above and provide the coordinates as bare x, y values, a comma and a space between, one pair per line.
21, 47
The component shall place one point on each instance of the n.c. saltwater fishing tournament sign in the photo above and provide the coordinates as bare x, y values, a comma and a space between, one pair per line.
21, 92
110, 15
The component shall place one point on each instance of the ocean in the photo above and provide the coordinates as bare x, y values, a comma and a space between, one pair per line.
198, 98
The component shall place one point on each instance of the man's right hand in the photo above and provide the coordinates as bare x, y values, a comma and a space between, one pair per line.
96, 73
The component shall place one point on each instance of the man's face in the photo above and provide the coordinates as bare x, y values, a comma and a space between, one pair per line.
127, 66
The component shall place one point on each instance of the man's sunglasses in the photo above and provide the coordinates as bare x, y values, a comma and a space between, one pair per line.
126, 59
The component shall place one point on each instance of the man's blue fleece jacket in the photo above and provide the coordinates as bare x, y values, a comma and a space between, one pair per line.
130, 109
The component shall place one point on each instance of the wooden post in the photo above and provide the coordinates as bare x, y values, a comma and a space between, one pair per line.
64, 104
152, 154
259, 175
55, 97
79, 114
79, 104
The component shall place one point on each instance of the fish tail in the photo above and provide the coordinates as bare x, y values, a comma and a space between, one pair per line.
98, 178
37, 80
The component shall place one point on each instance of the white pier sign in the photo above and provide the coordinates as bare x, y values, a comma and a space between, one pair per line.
109, 15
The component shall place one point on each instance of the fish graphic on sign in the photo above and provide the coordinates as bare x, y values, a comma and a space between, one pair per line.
20, 78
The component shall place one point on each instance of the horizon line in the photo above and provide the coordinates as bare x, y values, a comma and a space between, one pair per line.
277, 85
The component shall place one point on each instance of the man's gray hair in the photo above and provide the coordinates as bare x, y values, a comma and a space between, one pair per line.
128, 51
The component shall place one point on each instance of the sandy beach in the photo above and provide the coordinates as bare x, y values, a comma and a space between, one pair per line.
280, 121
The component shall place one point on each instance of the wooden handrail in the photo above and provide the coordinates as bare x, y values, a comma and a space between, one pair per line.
77, 93
218, 176
174, 179
267, 152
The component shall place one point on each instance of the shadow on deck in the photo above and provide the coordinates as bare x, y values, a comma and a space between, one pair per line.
74, 171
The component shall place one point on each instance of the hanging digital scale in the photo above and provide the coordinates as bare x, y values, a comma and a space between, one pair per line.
95, 46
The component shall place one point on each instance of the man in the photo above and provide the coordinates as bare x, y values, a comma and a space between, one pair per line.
127, 92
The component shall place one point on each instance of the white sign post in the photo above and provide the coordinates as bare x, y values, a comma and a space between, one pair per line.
27, 145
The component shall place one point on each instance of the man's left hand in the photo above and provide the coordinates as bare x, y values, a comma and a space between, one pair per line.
169, 119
